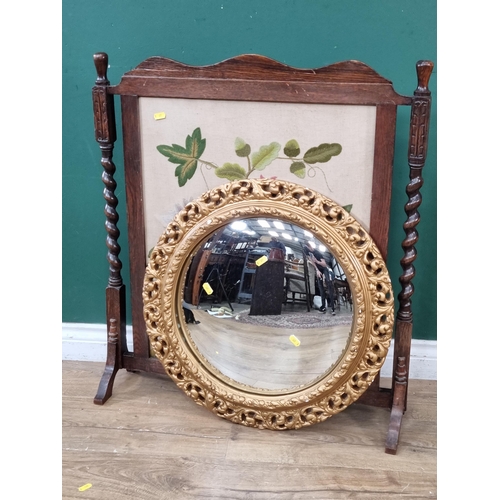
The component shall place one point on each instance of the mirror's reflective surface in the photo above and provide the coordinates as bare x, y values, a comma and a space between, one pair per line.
258, 301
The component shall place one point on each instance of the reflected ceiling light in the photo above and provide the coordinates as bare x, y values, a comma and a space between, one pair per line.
278, 224
295, 238
248, 231
238, 225
273, 233
312, 243
308, 234
286, 236
263, 223
322, 248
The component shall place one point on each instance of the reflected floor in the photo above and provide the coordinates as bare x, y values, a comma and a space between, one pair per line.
344, 310
264, 357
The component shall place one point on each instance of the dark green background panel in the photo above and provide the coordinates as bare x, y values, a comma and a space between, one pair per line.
390, 36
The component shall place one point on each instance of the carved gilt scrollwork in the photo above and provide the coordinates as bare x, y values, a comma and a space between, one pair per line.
353, 248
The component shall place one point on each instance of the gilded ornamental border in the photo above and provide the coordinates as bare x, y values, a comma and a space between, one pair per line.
353, 248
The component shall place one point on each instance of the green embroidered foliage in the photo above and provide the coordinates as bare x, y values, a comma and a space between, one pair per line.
266, 154
322, 153
185, 157
298, 168
231, 172
292, 148
241, 147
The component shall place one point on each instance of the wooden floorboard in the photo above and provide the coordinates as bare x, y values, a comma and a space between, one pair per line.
150, 441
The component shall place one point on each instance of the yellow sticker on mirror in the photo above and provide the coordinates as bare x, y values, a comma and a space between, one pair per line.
160, 116
294, 340
261, 260
208, 288
85, 487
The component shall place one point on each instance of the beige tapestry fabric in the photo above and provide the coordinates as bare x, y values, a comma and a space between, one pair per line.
191, 145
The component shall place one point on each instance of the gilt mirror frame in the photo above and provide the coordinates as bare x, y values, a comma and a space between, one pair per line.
373, 315
254, 79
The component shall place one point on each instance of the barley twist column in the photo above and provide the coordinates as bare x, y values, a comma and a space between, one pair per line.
105, 135
417, 152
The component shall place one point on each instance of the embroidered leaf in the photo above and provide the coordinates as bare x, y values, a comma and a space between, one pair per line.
347, 208
241, 147
298, 168
185, 157
231, 172
292, 148
265, 155
322, 153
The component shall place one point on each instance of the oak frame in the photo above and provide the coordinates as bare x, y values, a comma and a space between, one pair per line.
256, 78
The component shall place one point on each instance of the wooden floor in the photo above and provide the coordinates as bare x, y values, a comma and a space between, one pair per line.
150, 441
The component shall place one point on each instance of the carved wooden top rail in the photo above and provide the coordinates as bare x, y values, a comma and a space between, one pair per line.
265, 80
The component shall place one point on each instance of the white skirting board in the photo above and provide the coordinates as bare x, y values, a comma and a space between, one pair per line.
87, 342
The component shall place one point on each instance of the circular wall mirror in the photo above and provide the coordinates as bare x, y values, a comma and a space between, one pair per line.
253, 295
238, 307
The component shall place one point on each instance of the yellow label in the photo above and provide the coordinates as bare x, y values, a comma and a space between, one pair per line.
294, 340
261, 260
85, 487
160, 116
208, 288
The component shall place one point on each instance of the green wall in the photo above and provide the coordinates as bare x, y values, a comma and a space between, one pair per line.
388, 35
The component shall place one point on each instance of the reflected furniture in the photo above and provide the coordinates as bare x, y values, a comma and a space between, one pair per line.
343, 293
247, 280
267, 297
219, 262
254, 79
299, 283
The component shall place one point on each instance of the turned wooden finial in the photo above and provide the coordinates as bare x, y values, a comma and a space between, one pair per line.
101, 66
424, 71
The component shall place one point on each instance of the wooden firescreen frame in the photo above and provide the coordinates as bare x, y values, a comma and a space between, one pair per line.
256, 78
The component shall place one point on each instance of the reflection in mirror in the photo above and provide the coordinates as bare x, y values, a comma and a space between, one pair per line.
267, 304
